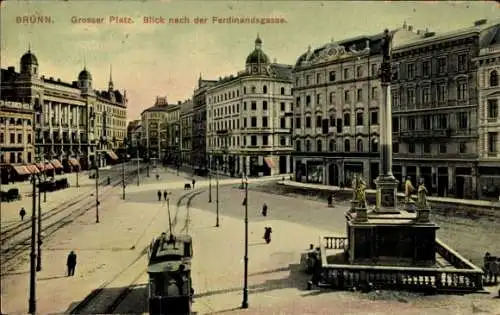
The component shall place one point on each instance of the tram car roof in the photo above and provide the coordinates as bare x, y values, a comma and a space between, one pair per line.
168, 266
164, 248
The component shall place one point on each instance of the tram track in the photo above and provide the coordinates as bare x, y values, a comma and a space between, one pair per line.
100, 301
63, 215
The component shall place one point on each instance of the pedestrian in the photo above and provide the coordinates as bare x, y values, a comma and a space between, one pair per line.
159, 195
193, 182
157, 176
264, 210
165, 194
71, 263
22, 213
495, 269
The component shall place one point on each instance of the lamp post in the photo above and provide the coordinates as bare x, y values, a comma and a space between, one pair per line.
244, 304
37, 111
123, 171
138, 161
96, 193
32, 297
217, 193
77, 171
209, 181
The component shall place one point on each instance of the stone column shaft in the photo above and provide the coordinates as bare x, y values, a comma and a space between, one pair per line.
386, 132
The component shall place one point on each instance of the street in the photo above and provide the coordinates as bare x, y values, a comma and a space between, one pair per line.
110, 257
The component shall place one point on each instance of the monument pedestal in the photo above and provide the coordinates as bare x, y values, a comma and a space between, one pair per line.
387, 198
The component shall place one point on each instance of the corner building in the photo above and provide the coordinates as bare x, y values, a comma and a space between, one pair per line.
435, 110
76, 122
249, 119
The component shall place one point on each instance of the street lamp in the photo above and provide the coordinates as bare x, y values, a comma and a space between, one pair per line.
209, 180
37, 110
123, 170
217, 192
96, 193
32, 297
138, 162
244, 304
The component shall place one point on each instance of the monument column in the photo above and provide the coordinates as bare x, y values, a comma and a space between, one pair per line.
386, 182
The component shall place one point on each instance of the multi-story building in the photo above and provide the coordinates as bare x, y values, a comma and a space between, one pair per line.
488, 62
171, 129
16, 139
132, 140
249, 118
152, 137
435, 110
186, 123
73, 121
199, 127
337, 96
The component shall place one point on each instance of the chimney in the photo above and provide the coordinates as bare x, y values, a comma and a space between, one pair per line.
480, 22
410, 28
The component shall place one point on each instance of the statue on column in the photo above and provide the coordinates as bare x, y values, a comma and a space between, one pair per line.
385, 50
360, 191
422, 193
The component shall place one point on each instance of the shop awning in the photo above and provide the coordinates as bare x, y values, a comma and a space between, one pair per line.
21, 170
269, 161
33, 169
48, 166
56, 163
40, 166
74, 162
112, 154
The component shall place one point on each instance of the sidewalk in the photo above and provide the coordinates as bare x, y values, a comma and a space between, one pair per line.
466, 202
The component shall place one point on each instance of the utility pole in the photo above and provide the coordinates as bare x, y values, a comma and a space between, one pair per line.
159, 150
39, 232
244, 304
123, 178
32, 298
77, 171
137, 166
96, 193
209, 181
217, 194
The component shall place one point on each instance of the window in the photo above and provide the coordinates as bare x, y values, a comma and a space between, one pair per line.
12, 138
254, 106
332, 98
359, 71
411, 71
426, 68
265, 140
441, 65
492, 109
373, 70
463, 147
347, 97
308, 145
359, 95
427, 147
442, 148
244, 140
411, 123
12, 157
442, 121
2, 138
253, 140
253, 121
346, 74
347, 119
264, 89
462, 62
308, 122
374, 93
308, 80
282, 91
395, 124
282, 122
318, 78
308, 100
244, 106
318, 99
395, 99
253, 89
298, 102
395, 147
494, 78
29, 139
264, 105
318, 121
282, 141
297, 123
462, 120
359, 119
29, 158
20, 138
374, 118
282, 106
319, 146
374, 145
411, 147
332, 121
411, 96
426, 122
492, 142
426, 95
462, 91
297, 145
332, 145
331, 76
244, 123
359, 145
264, 122
347, 145
20, 158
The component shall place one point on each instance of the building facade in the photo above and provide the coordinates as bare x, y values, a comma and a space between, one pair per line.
249, 119
435, 111
186, 129
337, 95
152, 138
199, 127
488, 63
73, 121
171, 129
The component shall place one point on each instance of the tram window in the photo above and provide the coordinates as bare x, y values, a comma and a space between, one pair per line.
158, 286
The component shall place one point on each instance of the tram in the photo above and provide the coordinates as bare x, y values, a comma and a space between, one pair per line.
169, 271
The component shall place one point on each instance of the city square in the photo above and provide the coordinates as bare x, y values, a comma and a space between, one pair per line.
357, 176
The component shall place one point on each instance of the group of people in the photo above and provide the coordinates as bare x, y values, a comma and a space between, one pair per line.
491, 268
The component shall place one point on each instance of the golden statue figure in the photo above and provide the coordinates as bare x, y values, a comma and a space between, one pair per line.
422, 195
360, 192
408, 189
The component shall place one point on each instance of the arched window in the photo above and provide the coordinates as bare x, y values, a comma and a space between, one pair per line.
253, 89
347, 119
282, 91
319, 146
297, 145
19, 121
374, 145
332, 98
359, 145
347, 145
308, 145
494, 78
264, 89
244, 90
332, 145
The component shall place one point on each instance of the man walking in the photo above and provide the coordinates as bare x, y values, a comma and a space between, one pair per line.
22, 213
165, 195
159, 195
193, 182
71, 263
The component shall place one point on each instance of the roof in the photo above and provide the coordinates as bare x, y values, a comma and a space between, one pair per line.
29, 59
166, 266
186, 107
281, 71
85, 75
257, 56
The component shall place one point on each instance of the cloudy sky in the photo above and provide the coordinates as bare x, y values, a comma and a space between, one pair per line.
150, 60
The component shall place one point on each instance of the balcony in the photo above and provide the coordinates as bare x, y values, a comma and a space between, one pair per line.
223, 132
422, 134
436, 156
